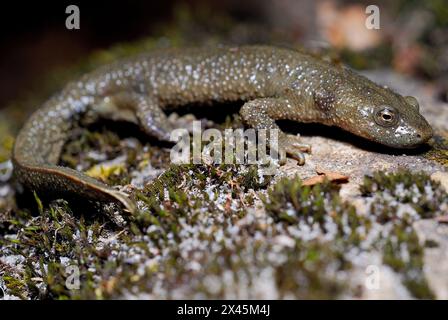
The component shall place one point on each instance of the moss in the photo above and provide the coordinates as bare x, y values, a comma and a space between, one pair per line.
6, 138
293, 203
251, 180
404, 254
169, 179
431, 244
313, 258
105, 155
439, 148
57, 233
183, 218
399, 199
87, 150
415, 189
290, 201
16, 286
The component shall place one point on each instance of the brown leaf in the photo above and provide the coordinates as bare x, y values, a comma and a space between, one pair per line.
313, 180
322, 174
442, 219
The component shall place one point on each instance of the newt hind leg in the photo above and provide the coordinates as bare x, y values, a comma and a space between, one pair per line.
144, 110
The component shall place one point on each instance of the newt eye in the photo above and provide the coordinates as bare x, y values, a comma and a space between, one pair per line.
386, 116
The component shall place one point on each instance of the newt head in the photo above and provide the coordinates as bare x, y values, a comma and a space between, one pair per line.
378, 114
400, 125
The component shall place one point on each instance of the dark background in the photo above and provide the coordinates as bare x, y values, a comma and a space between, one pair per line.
34, 38
34, 41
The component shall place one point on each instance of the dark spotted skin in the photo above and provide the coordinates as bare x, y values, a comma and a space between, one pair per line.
276, 84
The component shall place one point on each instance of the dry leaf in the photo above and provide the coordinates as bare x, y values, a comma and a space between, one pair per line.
313, 180
442, 219
322, 174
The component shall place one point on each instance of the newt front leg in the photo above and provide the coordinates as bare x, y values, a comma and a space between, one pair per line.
262, 114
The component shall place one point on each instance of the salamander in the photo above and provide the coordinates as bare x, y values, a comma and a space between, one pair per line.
274, 84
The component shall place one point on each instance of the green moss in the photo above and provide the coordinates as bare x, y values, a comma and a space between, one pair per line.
439, 148
57, 233
288, 200
431, 244
404, 254
293, 203
401, 247
312, 259
415, 189
16, 286
399, 199
169, 179
6, 138
181, 205
251, 180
